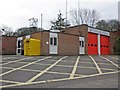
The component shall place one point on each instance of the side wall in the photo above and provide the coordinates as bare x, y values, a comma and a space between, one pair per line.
113, 38
44, 38
9, 45
68, 41
68, 44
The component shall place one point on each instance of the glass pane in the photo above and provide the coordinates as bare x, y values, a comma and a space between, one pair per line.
51, 41
82, 43
55, 41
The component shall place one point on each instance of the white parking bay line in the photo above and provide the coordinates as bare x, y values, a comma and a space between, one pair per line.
44, 71
8, 58
74, 68
110, 61
56, 80
17, 60
116, 58
23, 66
98, 68
7, 81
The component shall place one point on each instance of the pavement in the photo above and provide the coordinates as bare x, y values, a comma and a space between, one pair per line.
84, 71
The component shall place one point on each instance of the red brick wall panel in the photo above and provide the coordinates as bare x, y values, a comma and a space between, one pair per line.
9, 45
68, 45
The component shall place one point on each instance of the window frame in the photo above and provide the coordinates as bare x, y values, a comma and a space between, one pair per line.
53, 41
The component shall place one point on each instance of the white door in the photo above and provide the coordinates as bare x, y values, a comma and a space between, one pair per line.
19, 46
53, 43
81, 45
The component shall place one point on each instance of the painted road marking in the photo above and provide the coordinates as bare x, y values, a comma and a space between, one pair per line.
92, 62
63, 73
110, 62
59, 66
23, 62
23, 69
23, 66
55, 65
8, 58
99, 74
47, 60
67, 61
41, 70
86, 62
62, 61
67, 66
113, 57
104, 63
19, 84
70, 66
74, 68
56, 80
17, 60
59, 72
6, 81
41, 73
98, 68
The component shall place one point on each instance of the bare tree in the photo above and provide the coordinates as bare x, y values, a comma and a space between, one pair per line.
94, 17
7, 30
85, 16
74, 15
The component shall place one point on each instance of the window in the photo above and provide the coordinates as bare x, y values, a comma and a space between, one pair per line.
55, 41
82, 43
51, 41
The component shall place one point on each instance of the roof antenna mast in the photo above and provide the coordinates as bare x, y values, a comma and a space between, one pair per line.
66, 15
78, 12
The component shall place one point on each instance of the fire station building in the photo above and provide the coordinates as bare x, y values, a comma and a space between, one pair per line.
74, 40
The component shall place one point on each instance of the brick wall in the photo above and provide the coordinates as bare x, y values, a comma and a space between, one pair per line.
113, 37
9, 45
43, 37
44, 45
81, 30
72, 39
68, 44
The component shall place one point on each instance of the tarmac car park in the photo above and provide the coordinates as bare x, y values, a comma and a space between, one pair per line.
84, 71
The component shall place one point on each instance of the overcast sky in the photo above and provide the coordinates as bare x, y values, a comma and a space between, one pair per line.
15, 13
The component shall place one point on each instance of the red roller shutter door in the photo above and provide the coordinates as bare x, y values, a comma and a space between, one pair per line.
92, 43
104, 46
